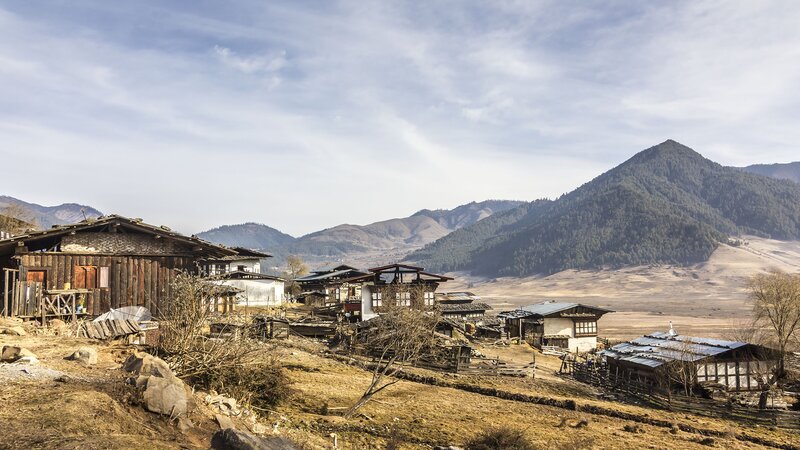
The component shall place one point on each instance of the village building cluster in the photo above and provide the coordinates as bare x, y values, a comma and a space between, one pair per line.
103, 265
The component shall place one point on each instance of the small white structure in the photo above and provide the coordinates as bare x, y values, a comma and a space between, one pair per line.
570, 326
243, 272
256, 289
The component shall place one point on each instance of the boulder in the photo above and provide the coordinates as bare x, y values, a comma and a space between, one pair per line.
84, 355
166, 396
143, 364
162, 391
230, 439
13, 330
15, 353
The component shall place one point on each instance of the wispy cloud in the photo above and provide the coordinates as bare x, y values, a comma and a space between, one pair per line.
210, 114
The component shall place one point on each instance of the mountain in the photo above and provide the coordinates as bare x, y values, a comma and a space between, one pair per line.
395, 237
788, 171
47, 216
407, 233
667, 204
248, 235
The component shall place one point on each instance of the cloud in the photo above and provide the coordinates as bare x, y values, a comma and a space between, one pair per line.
200, 116
253, 64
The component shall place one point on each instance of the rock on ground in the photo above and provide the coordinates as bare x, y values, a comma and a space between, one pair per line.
144, 364
13, 330
15, 353
84, 355
164, 393
166, 396
230, 439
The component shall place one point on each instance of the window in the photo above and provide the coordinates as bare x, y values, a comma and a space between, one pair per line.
338, 294
377, 301
240, 268
84, 277
585, 328
103, 281
429, 299
403, 298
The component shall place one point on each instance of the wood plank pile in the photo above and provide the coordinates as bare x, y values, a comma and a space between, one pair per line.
108, 329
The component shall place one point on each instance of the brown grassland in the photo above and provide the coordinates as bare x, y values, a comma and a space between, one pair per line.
96, 409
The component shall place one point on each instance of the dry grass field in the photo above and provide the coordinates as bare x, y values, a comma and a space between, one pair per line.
707, 298
95, 409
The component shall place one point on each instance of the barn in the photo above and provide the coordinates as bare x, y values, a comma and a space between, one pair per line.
737, 366
97, 264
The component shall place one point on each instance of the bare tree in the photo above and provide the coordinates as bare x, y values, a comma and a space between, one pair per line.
681, 370
296, 268
776, 298
397, 338
747, 330
184, 342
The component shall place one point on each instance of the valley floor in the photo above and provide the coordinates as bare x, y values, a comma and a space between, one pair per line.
706, 299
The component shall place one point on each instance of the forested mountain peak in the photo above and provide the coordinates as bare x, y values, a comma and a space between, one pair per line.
666, 204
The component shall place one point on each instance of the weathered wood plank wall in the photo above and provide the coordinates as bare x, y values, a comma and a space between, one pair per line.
132, 281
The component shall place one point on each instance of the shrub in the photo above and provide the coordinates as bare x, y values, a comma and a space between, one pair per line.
500, 438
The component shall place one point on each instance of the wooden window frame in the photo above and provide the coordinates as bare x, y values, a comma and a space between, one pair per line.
585, 328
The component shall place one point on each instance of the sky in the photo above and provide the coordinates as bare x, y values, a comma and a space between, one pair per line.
304, 115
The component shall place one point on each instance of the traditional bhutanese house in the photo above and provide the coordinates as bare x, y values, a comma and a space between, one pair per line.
245, 260
570, 326
103, 263
395, 284
738, 366
461, 305
332, 282
256, 289
314, 299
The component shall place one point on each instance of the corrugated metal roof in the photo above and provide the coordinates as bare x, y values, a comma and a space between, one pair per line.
658, 348
324, 275
546, 308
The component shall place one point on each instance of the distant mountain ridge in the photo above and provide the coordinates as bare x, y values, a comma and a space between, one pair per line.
248, 235
343, 241
47, 216
789, 171
666, 204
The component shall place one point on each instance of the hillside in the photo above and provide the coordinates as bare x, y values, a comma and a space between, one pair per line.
667, 204
47, 216
411, 232
788, 171
248, 235
366, 244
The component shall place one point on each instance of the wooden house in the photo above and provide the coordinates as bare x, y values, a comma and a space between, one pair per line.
332, 282
567, 326
395, 284
461, 305
314, 299
96, 265
737, 366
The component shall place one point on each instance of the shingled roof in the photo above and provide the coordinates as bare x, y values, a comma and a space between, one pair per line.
47, 238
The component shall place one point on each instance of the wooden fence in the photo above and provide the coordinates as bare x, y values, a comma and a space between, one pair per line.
22, 299
597, 375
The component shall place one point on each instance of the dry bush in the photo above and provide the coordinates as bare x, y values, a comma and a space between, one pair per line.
263, 385
500, 438
228, 363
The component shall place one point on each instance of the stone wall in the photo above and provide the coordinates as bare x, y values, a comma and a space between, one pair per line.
121, 244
